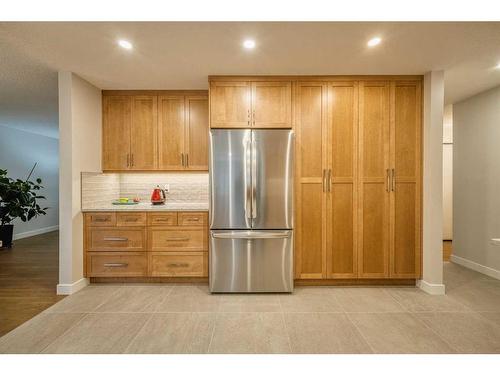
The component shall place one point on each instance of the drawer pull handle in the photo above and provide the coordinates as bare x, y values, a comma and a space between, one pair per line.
115, 264
177, 239
193, 219
131, 219
115, 239
163, 220
177, 264
100, 219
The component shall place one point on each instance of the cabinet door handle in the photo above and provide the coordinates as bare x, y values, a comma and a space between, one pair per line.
132, 160
133, 219
100, 219
162, 220
329, 181
253, 115
177, 264
388, 182
177, 239
248, 117
393, 180
182, 159
193, 219
187, 160
115, 239
324, 179
115, 264
128, 160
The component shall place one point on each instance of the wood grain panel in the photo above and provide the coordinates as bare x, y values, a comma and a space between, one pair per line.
230, 104
128, 219
100, 219
144, 133
162, 218
196, 133
272, 104
193, 218
171, 119
116, 239
117, 264
311, 163
116, 122
178, 239
194, 264
373, 200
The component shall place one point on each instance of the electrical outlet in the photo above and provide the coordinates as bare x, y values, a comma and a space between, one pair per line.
167, 188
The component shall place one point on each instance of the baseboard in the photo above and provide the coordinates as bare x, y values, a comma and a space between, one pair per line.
476, 266
67, 289
430, 288
35, 232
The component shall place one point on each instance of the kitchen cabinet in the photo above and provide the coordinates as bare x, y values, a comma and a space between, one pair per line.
146, 244
151, 131
358, 179
250, 104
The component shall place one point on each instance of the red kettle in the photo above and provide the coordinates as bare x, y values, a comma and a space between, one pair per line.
158, 196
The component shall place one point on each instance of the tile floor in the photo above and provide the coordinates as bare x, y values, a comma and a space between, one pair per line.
187, 319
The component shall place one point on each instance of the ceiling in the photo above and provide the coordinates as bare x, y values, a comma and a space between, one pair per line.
180, 55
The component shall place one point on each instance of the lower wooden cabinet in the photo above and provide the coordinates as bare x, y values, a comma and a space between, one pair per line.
142, 244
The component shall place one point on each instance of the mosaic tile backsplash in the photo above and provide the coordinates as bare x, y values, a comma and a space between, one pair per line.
102, 188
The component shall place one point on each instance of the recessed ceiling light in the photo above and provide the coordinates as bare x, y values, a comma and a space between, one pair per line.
374, 41
249, 44
498, 66
125, 44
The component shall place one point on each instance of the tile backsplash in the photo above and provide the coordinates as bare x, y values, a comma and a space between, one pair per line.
102, 188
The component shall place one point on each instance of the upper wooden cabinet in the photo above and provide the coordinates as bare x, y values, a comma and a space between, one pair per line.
151, 131
245, 104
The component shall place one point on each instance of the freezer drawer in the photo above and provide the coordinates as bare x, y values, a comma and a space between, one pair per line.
251, 261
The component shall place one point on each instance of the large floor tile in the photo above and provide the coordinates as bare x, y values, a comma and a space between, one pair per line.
86, 300
493, 317
249, 333
367, 300
136, 299
455, 276
249, 303
192, 298
310, 299
37, 333
100, 333
175, 333
323, 333
478, 295
398, 333
467, 332
415, 300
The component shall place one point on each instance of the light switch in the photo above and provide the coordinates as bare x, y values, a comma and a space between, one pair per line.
167, 188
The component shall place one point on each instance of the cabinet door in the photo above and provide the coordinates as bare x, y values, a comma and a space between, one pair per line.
143, 134
405, 197
116, 132
196, 133
311, 141
171, 132
342, 189
272, 104
230, 105
373, 243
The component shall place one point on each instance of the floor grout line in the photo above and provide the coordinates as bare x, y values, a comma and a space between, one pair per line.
65, 332
360, 333
213, 332
285, 325
137, 334
415, 315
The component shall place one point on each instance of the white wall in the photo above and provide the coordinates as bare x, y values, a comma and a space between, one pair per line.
80, 150
448, 173
476, 182
19, 150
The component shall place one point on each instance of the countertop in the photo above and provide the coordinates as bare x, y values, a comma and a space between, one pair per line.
168, 206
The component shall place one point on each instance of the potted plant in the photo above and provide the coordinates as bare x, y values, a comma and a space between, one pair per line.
18, 199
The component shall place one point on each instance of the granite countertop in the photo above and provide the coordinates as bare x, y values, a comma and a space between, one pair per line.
168, 206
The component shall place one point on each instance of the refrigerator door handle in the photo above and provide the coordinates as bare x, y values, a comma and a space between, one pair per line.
248, 178
251, 235
254, 177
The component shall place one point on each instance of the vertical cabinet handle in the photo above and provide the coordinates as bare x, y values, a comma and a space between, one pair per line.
388, 182
248, 117
187, 160
128, 160
393, 180
132, 160
324, 180
253, 116
182, 159
329, 180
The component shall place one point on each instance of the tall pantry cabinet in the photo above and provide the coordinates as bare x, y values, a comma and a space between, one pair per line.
358, 179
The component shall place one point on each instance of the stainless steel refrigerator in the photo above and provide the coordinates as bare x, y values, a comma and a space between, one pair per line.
251, 210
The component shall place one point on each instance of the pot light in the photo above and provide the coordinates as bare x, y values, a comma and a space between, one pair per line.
249, 44
125, 44
374, 41
497, 66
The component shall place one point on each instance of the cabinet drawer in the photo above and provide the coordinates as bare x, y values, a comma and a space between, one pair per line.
117, 264
192, 218
100, 219
164, 218
178, 239
179, 264
116, 239
130, 219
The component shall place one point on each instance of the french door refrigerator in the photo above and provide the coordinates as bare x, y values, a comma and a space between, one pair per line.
251, 210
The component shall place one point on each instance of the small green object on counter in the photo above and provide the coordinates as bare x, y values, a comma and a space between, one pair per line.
126, 203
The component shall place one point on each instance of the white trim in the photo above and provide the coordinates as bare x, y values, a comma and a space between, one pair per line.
35, 232
434, 289
67, 289
476, 266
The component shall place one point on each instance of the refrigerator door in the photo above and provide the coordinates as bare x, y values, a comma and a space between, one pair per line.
230, 179
272, 179
251, 261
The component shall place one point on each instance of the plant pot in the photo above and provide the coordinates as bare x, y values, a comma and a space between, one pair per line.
6, 235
